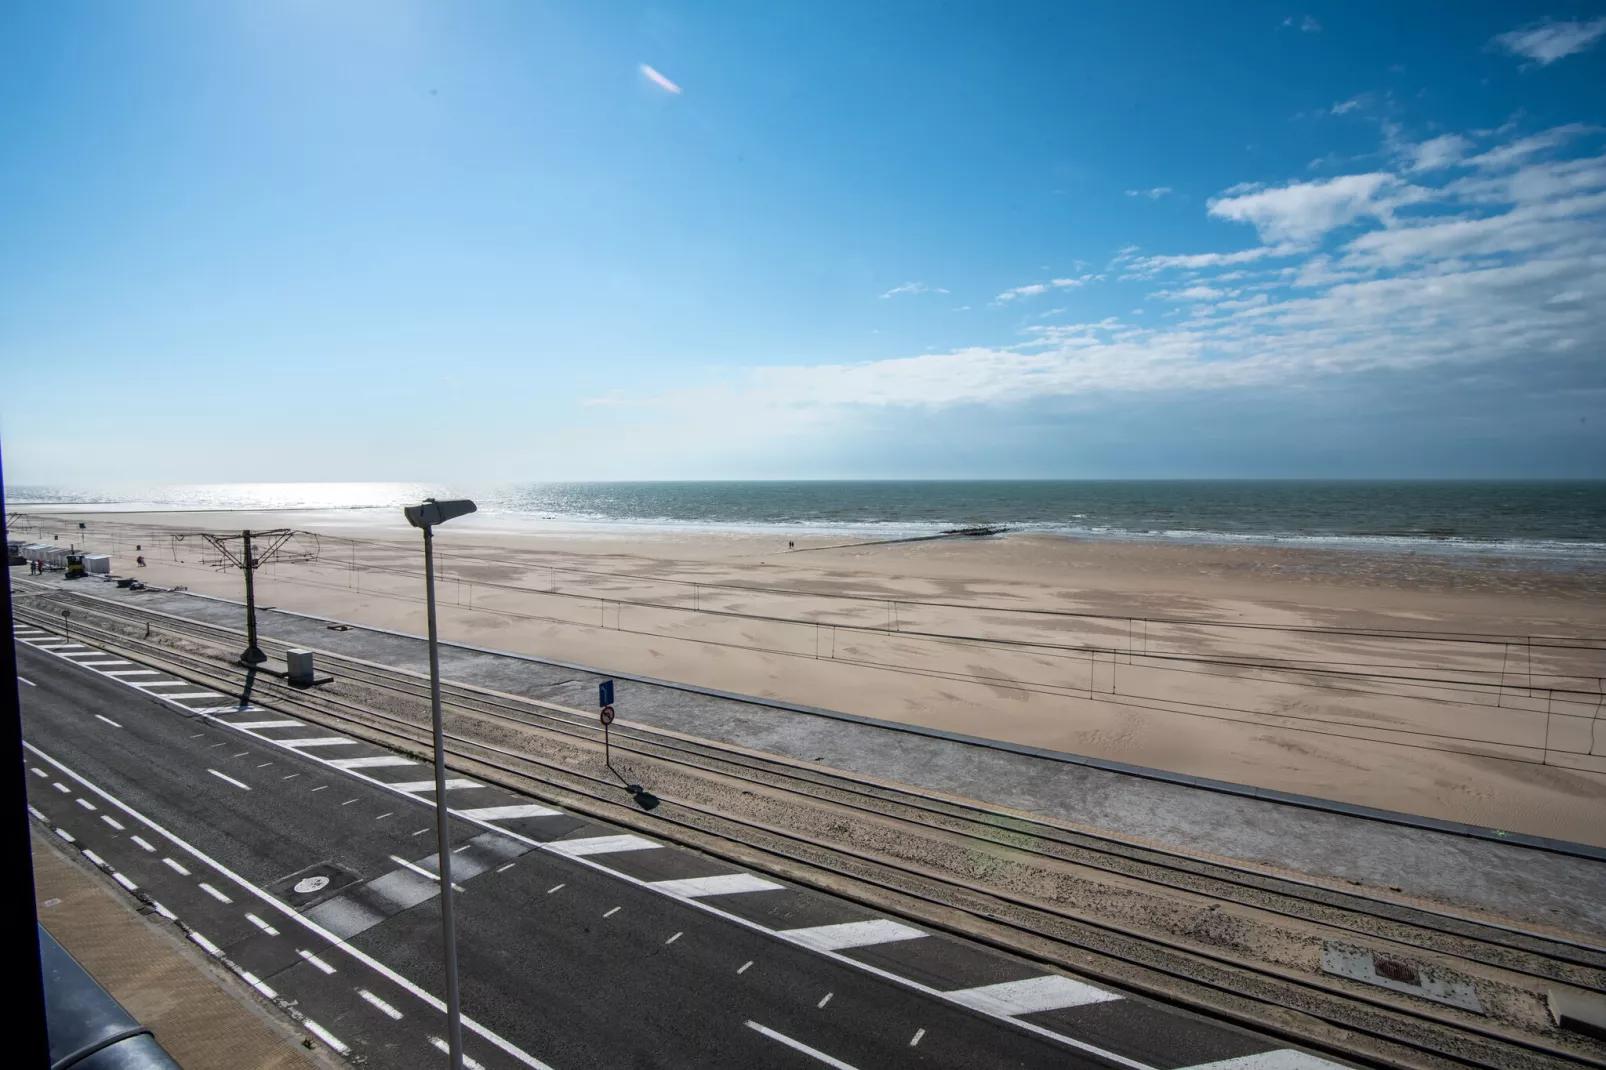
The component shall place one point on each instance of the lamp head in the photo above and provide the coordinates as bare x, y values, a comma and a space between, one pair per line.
433, 512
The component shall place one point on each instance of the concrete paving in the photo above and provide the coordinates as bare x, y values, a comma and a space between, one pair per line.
1520, 884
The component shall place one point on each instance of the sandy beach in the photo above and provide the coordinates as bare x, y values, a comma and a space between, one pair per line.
1453, 687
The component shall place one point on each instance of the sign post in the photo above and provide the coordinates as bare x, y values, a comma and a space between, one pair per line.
605, 700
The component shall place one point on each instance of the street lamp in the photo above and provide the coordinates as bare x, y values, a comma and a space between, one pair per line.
426, 516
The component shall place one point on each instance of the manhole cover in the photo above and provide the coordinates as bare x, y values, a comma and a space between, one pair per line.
311, 886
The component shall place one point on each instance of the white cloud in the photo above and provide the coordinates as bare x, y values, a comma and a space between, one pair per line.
1153, 194
1472, 275
1308, 24
1517, 151
1545, 42
1035, 288
913, 288
1304, 211
1344, 107
1439, 152
659, 80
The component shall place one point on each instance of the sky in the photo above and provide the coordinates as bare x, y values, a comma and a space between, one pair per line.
506, 241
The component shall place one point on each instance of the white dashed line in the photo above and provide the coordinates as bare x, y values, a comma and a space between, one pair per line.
231, 780
504, 868
124, 881
163, 911
113, 822
263, 724
823, 1002
798, 1045
175, 867
260, 924
443, 1046
64, 834
324, 1035
612, 912
36, 813
86, 804
745, 966
256, 982
24, 680
384, 1008
95, 858
214, 893
916, 1038
59, 786
554, 888
38, 772
204, 942
108, 720
143, 843
315, 960
452, 783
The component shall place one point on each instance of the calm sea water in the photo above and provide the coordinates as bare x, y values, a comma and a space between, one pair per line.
1547, 518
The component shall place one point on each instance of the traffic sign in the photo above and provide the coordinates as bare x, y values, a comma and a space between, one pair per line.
606, 716
605, 693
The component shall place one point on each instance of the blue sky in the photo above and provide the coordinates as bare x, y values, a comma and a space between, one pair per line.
507, 241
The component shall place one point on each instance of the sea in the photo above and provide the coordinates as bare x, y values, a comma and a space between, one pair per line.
1556, 520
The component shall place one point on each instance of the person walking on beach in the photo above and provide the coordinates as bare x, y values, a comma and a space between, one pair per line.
140, 560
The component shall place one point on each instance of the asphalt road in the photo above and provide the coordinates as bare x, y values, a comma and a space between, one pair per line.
305, 861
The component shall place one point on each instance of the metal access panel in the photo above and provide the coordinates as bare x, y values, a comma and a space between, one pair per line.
1370, 967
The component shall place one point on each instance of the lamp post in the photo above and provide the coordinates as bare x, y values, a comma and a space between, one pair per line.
426, 516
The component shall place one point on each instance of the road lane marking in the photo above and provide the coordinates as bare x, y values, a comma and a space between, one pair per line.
823, 1002
507, 813
348, 802
292, 776
377, 762
195, 694
175, 867
596, 845
133, 672
505, 868
745, 966
316, 741
231, 780
211, 948
39, 772
692, 887
611, 913
429, 785
324, 1035
311, 926
25, 680
382, 817
36, 813
64, 834
555, 887
1047, 993
101, 664
242, 754
108, 720
124, 881
264, 765
420, 832
320, 787
443, 1046
850, 934
112, 821
59, 786
256, 982
384, 1008
260, 924
163, 911
315, 960
916, 1038
420, 870
672, 939
261, 724
145, 685
86, 804
214, 893
798, 1045
144, 843
95, 858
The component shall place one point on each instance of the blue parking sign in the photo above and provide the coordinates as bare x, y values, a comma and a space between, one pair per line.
605, 693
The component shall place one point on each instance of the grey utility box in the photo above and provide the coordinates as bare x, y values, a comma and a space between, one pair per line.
299, 662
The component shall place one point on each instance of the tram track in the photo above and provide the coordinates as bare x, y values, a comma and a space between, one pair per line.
1314, 1009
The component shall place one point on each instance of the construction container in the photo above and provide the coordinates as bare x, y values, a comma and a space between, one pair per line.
98, 564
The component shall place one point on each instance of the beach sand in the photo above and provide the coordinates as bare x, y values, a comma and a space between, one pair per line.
1446, 686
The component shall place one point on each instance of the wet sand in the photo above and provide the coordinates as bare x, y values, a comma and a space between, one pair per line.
1452, 687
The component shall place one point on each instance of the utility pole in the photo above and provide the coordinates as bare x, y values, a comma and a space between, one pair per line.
283, 544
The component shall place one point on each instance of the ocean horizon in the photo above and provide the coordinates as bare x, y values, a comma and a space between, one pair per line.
1522, 517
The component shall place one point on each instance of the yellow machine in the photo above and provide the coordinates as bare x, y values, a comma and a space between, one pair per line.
75, 566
